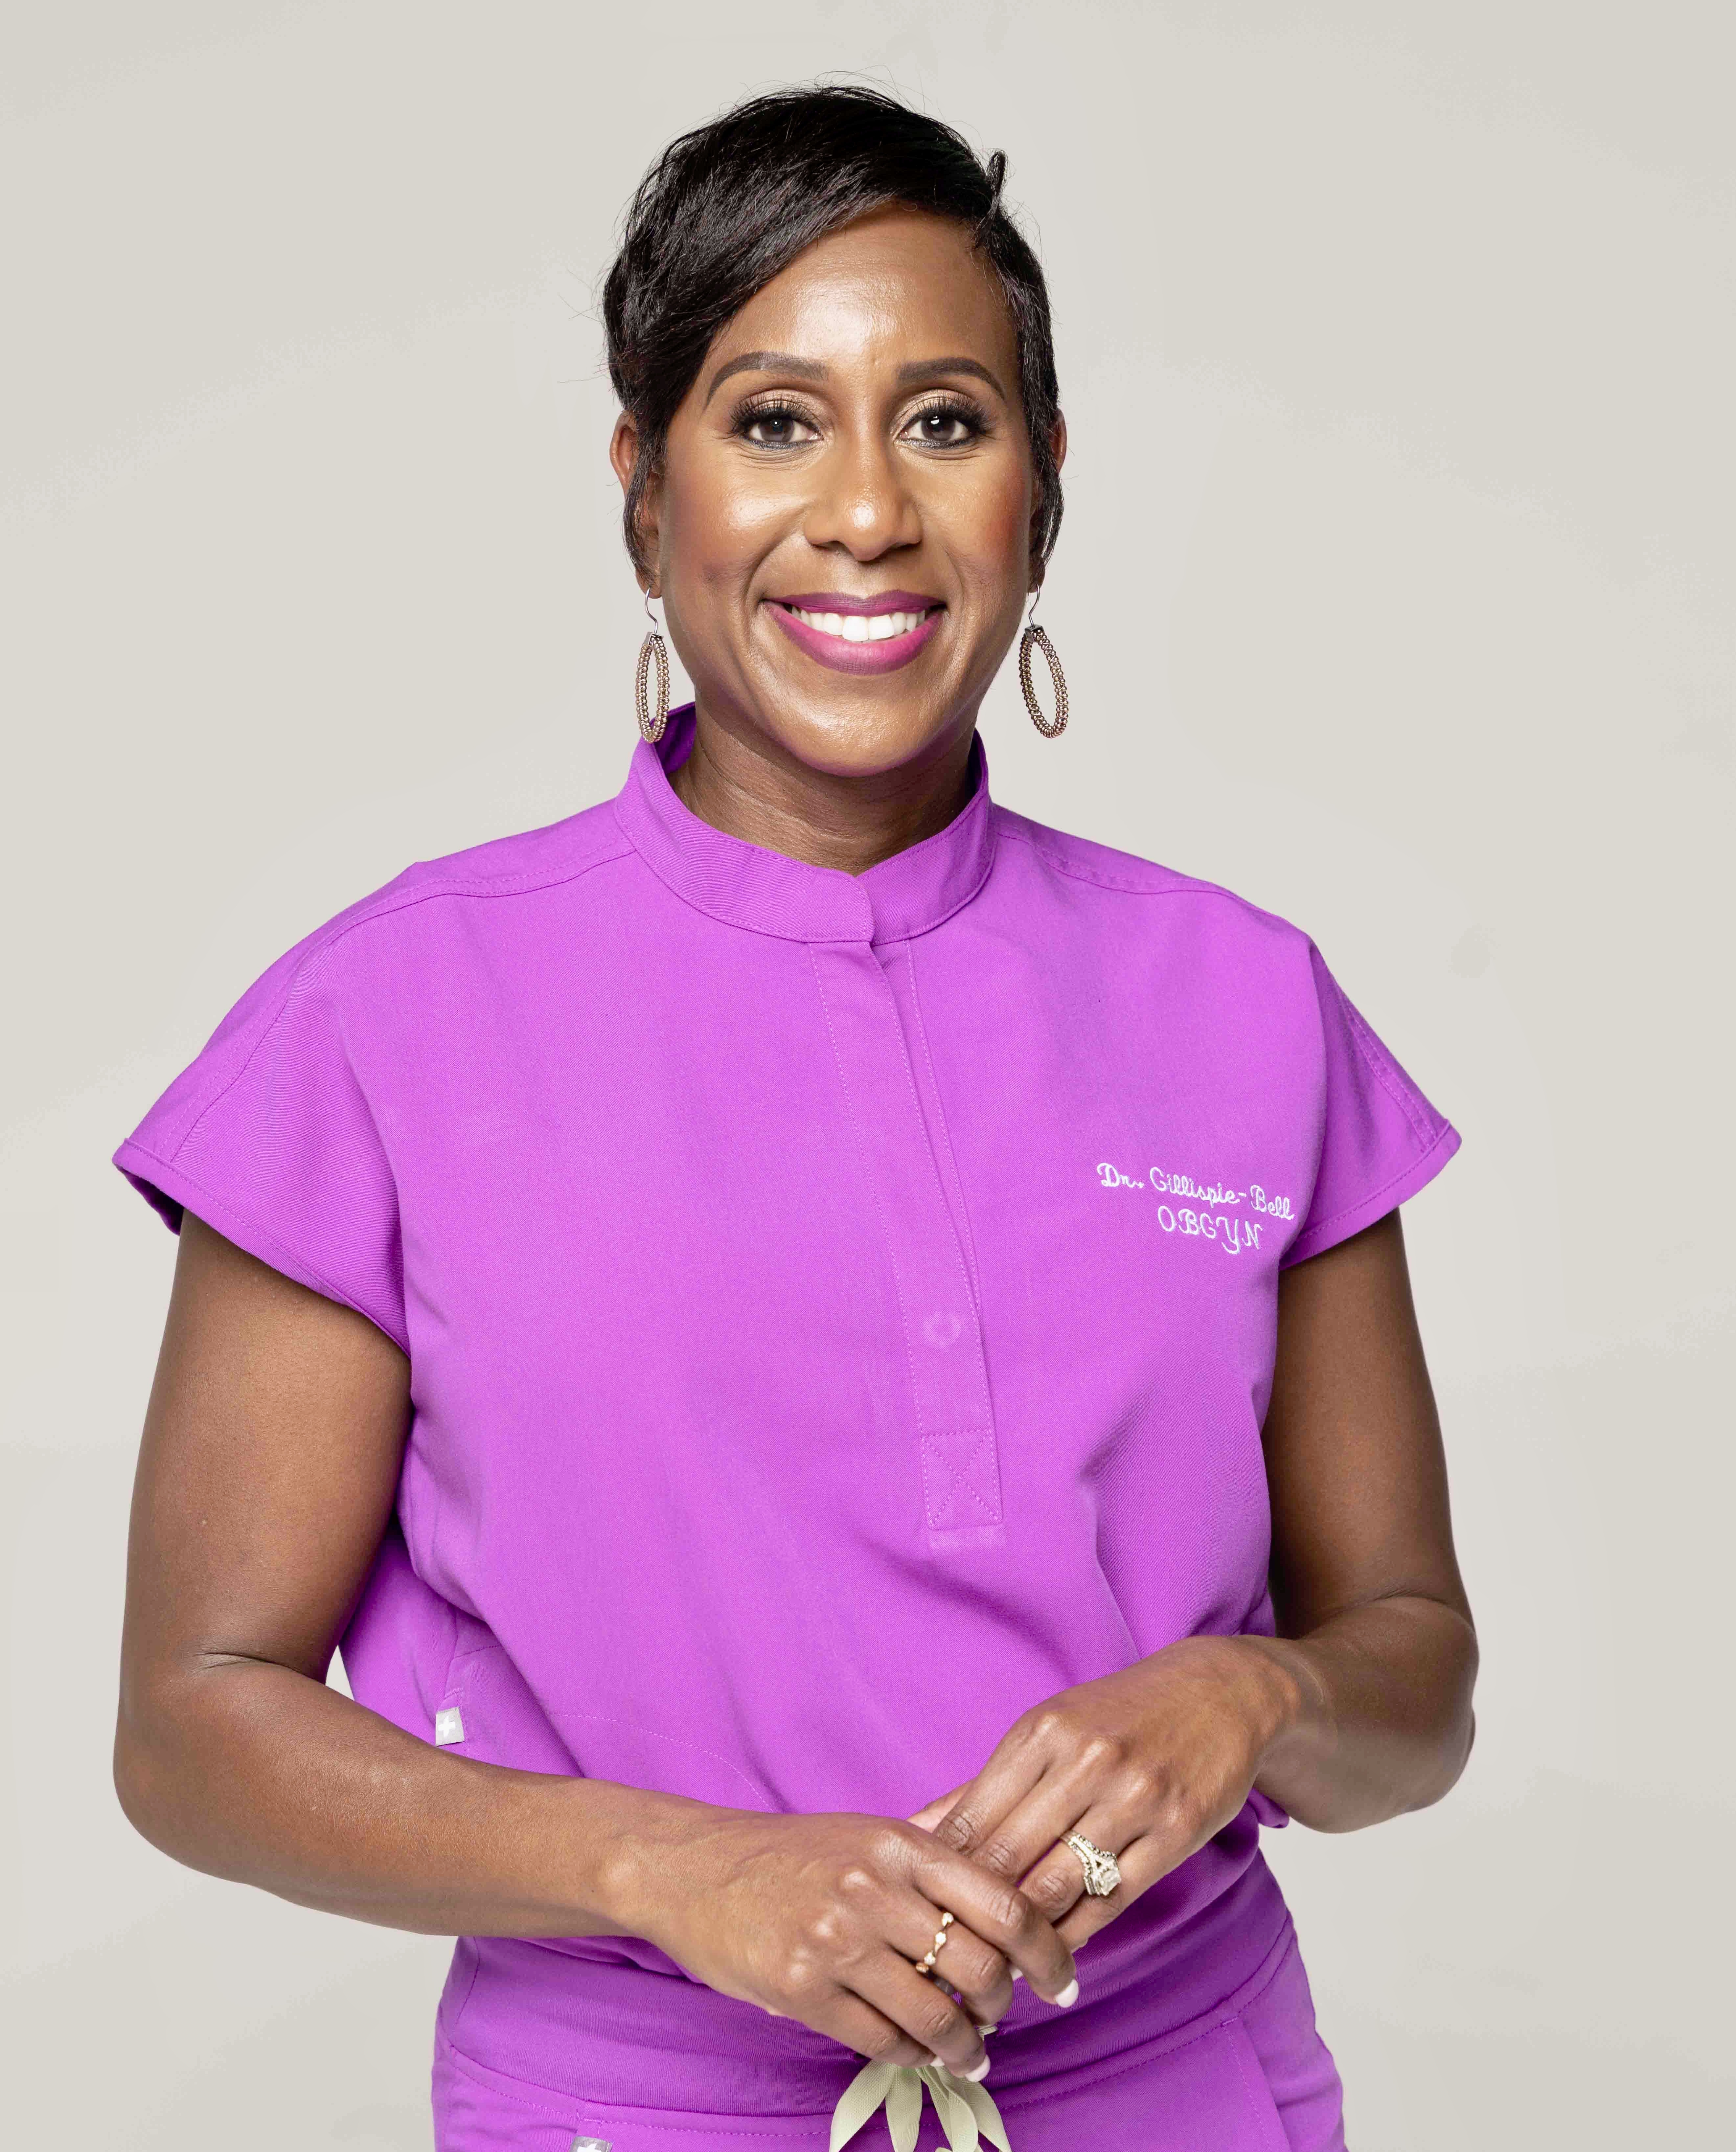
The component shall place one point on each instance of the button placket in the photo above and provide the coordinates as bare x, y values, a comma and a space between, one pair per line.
959, 1462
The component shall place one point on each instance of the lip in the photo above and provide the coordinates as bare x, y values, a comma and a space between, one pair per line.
857, 656
838, 601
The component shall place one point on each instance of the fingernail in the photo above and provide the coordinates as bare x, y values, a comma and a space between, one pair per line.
987, 2029
1068, 1994
1016, 1974
977, 2075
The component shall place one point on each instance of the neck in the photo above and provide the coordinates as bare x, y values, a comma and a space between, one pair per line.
749, 787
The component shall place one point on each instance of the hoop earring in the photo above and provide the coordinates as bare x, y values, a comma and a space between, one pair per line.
1033, 639
652, 651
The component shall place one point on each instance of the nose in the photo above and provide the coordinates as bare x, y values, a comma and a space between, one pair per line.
861, 500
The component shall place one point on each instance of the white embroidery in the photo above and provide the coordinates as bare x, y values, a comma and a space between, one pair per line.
1213, 1223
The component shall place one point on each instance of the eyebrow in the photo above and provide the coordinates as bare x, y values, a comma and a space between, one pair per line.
808, 369
766, 362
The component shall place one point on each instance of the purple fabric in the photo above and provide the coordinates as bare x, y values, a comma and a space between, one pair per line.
1251, 2074
840, 1313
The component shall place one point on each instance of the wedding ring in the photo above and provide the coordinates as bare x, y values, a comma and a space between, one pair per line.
926, 1965
1102, 1874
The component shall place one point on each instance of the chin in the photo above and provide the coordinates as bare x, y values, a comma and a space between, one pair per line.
854, 744
860, 735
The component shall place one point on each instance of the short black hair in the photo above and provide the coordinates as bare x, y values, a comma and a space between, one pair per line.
729, 206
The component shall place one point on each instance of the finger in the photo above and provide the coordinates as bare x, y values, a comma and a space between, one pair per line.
1017, 1765
998, 1912
1022, 1836
1055, 1882
919, 2007
847, 2016
927, 1818
962, 1959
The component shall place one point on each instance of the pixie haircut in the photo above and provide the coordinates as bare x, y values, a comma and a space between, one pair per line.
728, 207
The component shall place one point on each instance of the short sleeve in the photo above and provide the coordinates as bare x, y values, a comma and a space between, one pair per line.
1380, 1138
269, 1137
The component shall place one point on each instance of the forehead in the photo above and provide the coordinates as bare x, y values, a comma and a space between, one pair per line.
890, 286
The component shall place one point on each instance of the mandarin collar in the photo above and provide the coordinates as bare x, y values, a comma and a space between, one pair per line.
768, 892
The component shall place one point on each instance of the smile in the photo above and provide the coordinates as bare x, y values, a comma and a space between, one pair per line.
861, 627
859, 635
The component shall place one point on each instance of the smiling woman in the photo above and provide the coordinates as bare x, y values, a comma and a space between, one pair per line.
818, 1533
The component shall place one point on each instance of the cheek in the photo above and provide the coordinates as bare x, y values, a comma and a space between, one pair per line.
990, 533
716, 525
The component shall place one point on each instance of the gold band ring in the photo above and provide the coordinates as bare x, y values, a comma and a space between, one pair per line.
925, 1965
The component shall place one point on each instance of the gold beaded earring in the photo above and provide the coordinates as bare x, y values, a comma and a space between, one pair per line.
652, 651
1033, 639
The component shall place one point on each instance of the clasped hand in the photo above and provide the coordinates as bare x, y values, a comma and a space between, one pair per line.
1148, 1763
824, 1918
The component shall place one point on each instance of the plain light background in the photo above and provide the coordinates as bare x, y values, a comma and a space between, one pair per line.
1396, 347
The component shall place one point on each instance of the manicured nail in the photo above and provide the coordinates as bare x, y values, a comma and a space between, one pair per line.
986, 2028
977, 2075
1016, 1974
1068, 1994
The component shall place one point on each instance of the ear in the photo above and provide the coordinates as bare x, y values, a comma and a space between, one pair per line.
623, 457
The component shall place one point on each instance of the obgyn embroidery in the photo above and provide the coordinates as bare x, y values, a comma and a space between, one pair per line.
1217, 1220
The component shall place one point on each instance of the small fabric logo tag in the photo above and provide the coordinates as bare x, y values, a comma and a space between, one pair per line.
449, 1726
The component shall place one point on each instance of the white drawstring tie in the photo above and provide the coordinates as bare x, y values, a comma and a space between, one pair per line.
966, 2111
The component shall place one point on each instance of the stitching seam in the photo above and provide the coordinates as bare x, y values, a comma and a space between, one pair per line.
910, 1360
934, 1176
327, 1286
468, 2067
964, 1214
516, 886
1382, 1069
1221, 2016
1373, 1195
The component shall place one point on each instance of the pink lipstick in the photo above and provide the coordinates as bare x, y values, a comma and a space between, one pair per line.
894, 624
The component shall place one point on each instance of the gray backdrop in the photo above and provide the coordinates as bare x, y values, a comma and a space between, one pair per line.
1396, 347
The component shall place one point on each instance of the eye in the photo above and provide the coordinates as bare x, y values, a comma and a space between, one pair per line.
774, 425
948, 422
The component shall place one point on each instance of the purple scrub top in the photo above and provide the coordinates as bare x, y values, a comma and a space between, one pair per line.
840, 1313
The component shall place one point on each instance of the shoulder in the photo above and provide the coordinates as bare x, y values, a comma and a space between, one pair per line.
497, 881
383, 951
524, 864
1134, 887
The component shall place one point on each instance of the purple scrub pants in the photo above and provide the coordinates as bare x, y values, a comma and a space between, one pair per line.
1251, 2075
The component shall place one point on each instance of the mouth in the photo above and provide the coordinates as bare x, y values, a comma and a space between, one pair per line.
856, 634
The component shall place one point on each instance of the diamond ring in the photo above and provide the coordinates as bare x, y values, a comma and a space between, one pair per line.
1102, 1874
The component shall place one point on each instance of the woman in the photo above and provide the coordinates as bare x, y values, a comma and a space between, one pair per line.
838, 1360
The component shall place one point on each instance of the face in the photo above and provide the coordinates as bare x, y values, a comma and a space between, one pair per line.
841, 531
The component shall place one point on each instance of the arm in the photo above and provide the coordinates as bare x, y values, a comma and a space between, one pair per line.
266, 1475
1359, 1709
268, 1472
1375, 1639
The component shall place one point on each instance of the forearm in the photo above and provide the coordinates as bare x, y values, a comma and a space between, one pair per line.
249, 1770
1368, 1716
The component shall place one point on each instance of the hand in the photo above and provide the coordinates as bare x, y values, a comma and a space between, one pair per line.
1148, 1763
822, 1918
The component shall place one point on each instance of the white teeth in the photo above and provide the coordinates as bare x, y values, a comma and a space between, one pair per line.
861, 627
